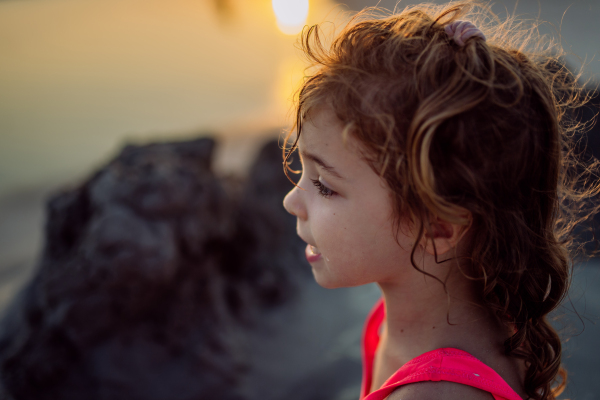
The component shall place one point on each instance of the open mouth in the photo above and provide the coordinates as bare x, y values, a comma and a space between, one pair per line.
312, 253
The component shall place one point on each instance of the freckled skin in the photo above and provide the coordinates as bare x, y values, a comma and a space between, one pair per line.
367, 251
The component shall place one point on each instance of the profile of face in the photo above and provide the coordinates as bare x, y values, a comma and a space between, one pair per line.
344, 211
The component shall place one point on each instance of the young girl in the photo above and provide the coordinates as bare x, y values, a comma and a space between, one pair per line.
436, 164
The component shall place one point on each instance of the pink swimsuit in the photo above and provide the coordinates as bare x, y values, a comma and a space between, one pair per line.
446, 364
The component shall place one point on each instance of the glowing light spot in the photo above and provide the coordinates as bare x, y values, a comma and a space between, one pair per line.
291, 15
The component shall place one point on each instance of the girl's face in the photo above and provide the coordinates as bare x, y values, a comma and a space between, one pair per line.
344, 210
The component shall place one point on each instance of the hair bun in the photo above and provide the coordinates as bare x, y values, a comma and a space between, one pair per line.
461, 31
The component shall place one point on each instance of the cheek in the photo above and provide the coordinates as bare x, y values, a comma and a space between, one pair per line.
348, 227
362, 245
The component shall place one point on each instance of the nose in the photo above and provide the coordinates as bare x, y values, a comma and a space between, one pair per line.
294, 203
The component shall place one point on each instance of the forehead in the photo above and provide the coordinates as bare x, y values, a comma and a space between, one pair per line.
322, 130
324, 136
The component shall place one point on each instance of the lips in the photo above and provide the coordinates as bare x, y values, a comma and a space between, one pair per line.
312, 253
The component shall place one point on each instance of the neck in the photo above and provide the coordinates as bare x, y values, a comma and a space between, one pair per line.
422, 318
423, 315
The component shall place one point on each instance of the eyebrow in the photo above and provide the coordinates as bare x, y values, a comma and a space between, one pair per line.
321, 163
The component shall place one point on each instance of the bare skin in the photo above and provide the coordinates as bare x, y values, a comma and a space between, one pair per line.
344, 213
409, 333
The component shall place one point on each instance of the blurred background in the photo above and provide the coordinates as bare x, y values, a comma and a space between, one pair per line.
80, 78
77, 78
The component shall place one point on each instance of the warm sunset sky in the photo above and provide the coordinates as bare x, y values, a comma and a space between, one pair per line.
78, 77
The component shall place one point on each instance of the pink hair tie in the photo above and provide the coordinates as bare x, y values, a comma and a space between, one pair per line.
461, 31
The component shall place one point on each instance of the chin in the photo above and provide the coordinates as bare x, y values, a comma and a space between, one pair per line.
324, 281
328, 285
329, 282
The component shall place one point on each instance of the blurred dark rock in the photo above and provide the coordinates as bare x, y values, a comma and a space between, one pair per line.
151, 274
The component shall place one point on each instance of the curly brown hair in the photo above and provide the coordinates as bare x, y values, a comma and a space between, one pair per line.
483, 128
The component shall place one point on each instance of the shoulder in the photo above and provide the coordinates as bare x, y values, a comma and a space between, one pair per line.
429, 390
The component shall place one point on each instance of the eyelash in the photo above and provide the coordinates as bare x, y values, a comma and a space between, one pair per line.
322, 189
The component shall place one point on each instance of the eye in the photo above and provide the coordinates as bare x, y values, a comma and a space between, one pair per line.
322, 189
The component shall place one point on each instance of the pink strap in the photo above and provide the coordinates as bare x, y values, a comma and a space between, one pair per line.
445, 364
370, 340
451, 365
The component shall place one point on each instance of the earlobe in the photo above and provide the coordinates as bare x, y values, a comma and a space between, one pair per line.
440, 236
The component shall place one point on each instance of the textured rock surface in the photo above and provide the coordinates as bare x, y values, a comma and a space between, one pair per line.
152, 272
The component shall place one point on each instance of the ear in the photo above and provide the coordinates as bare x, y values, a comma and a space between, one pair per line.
441, 236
